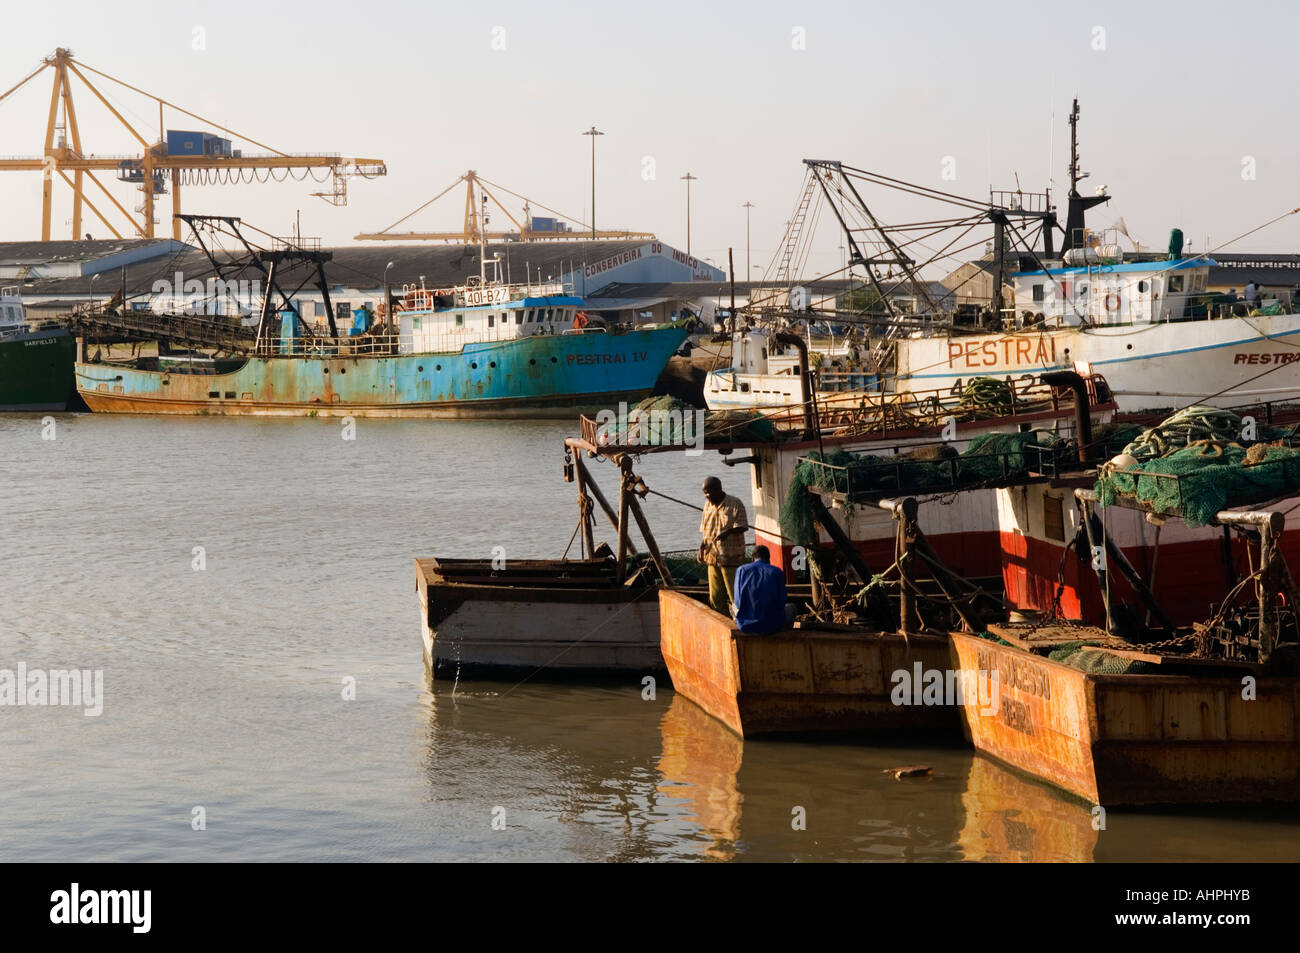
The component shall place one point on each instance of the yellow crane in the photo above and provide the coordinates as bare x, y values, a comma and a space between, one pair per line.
156, 168
476, 217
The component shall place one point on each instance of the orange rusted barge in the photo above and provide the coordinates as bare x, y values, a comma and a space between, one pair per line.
1132, 739
815, 679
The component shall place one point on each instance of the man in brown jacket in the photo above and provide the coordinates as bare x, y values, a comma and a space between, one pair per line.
722, 546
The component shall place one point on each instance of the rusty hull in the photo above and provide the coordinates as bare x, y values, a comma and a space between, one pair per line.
798, 680
1124, 740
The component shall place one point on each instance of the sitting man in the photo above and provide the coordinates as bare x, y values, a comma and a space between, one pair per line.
760, 595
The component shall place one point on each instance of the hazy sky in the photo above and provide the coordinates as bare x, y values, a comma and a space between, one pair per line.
1188, 108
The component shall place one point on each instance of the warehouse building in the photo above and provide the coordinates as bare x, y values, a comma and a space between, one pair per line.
54, 277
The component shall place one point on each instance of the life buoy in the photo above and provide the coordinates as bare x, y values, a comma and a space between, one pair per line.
580, 320
1113, 301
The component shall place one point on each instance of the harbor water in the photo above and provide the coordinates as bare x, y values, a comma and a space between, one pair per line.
246, 588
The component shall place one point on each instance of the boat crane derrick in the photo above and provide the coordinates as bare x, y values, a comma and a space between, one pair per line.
156, 170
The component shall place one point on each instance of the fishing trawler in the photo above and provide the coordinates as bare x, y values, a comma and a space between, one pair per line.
766, 372
483, 348
1149, 322
35, 362
1150, 327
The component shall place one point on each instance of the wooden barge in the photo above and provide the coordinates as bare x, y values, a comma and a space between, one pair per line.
1129, 739
562, 617
801, 680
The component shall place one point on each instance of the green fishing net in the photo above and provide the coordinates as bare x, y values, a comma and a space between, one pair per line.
1086, 659
1193, 465
987, 459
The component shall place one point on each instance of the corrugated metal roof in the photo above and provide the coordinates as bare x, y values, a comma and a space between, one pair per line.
33, 253
358, 267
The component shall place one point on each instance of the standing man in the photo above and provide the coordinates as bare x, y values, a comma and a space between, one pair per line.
760, 595
722, 542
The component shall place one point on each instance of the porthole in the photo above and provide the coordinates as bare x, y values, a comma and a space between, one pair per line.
553, 360
420, 368
474, 364
437, 367
532, 360
492, 363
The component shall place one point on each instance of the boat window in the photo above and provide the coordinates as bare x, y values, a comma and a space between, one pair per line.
491, 320
1198, 281
460, 320
1038, 292
1142, 287
519, 317
1053, 518
1175, 283
415, 323
548, 313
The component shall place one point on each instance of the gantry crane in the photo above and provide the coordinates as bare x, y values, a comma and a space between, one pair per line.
156, 169
476, 218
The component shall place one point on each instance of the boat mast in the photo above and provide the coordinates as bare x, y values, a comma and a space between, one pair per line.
482, 241
1077, 204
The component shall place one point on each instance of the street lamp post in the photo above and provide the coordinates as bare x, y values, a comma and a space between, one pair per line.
593, 132
688, 179
747, 206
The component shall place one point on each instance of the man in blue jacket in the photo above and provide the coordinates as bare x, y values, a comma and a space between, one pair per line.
760, 595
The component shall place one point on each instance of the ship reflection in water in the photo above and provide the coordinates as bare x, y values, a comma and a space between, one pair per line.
599, 773
1002, 816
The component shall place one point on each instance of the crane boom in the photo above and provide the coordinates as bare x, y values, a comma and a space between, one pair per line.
155, 170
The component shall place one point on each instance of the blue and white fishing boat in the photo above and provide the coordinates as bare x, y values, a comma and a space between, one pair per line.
484, 348
1149, 327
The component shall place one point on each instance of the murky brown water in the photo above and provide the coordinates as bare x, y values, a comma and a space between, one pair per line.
224, 687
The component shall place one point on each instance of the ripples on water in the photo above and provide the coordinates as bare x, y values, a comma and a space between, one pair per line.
224, 687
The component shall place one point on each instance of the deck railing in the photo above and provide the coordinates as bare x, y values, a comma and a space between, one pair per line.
905, 413
326, 346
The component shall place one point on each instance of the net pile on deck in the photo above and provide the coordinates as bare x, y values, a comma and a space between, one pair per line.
1083, 656
989, 459
668, 421
1195, 463
986, 397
